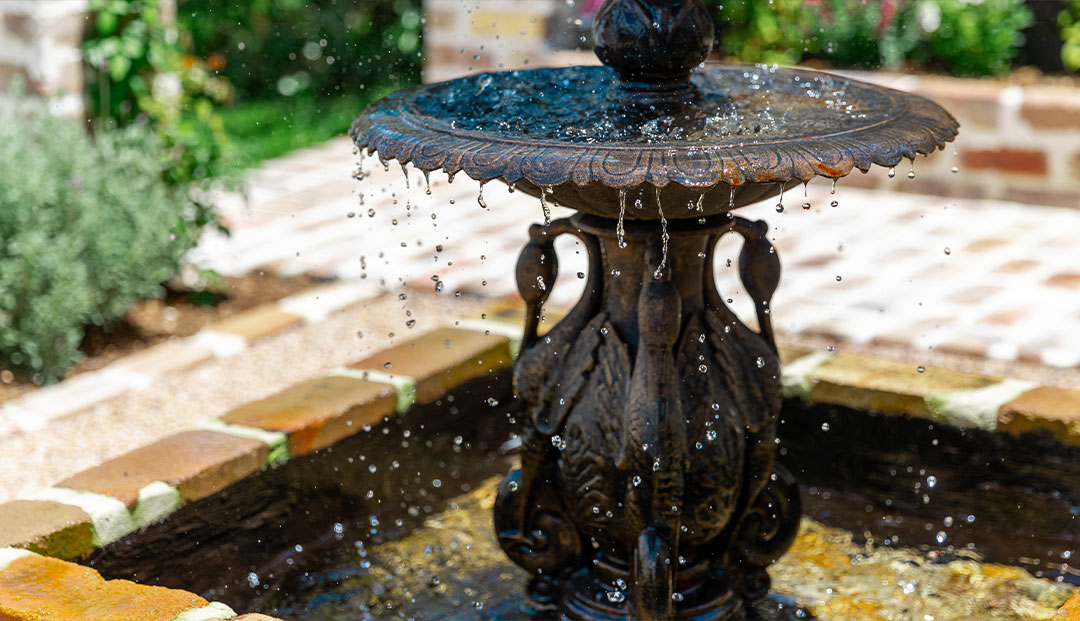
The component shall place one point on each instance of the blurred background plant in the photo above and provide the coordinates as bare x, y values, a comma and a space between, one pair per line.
1069, 23
89, 226
302, 70
962, 37
140, 74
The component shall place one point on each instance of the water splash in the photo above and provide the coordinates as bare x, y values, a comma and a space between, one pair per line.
663, 238
480, 197
620, 230
544, 190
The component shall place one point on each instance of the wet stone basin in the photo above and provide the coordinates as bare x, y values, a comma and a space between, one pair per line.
452, 564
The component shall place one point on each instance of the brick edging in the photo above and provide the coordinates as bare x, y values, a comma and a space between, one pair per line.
221, 339
102, 504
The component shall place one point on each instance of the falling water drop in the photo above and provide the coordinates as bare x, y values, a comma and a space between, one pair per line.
833, 190
405, 172
663, 238
834, 203
385, 164
806, 206
805, 184
780, 203
700, 200
638, 204
731, 199
955, 168
427, 182
616, 597
892, 172
544, 191
511, 188
480, 197
760, 362
911, 170
620, 230
450, 178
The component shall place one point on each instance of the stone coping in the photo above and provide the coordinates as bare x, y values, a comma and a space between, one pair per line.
40, 535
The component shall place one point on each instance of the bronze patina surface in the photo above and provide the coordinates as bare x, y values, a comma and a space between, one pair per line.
648, 486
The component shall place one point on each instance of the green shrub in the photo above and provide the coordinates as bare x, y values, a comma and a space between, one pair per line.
1069, 23
87, 227
281, 48
961, 36
140, 74
978, 39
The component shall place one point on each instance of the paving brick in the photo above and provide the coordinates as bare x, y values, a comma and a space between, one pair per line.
1019, 161
257, 322
46, 527
317, 413
887, 387
1046, 408
197, 463
442, 359
39, 587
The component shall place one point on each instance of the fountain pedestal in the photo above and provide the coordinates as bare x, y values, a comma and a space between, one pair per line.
648, 486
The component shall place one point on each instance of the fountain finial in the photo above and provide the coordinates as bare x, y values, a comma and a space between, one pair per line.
653, 45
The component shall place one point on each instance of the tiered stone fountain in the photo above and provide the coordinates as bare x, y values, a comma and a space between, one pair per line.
648, 485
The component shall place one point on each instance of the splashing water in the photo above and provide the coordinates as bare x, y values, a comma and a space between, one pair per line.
543, 204
663, 238
620, 230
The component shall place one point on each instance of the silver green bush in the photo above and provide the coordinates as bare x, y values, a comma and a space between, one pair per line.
87, 228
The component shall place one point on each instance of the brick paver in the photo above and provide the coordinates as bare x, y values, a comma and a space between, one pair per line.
978, 277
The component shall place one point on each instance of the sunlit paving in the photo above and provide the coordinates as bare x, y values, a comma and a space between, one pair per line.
539, 309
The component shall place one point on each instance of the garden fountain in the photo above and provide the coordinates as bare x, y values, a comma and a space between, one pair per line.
648, 486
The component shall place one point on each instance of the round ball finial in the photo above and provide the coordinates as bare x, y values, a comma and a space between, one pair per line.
653, 44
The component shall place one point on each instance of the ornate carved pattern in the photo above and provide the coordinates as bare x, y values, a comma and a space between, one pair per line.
912, 125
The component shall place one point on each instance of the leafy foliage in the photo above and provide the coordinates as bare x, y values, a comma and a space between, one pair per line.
964, 37
143, 76
270, 48
87, 227
1069, 23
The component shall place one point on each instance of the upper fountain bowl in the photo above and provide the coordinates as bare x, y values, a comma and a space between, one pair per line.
748, 131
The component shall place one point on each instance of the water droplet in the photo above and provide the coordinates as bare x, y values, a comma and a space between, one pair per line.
544, 190
931, 482
948, 521
780, 201
492, 401
512, 486
253, 579
700, 199
558, 442
710, 434
540, 283
620, 231
956, 169
921, 369
410, 323
703, 368
833, 190
806, 206
760, 362
663, 238
834, 203
678, 597
616, 597
824, 426
615, 273
480, 197
372, 468
892, 172
636, 480
731, 199
838, 279
947, 250
941, 537
779, 208
581, 274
